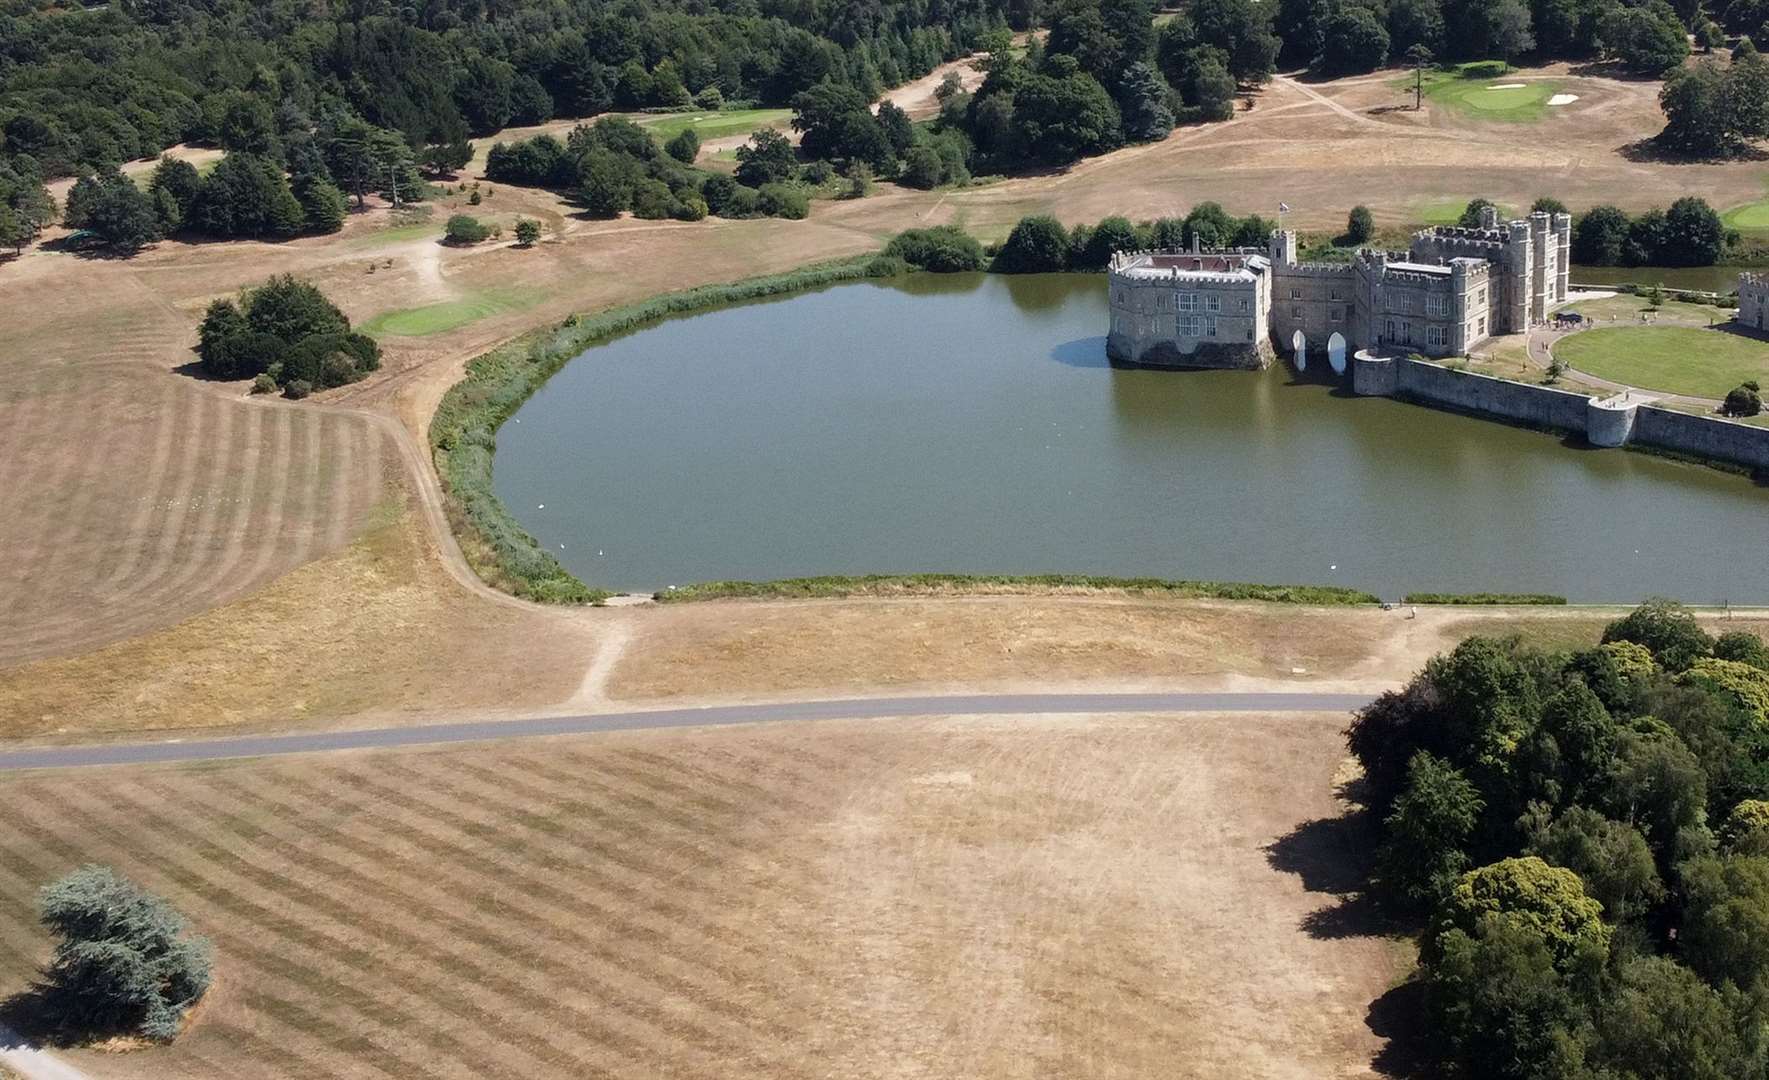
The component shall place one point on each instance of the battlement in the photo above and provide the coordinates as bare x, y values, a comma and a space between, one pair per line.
1228, 267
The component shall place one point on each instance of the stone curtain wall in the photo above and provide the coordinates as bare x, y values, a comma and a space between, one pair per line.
1703, 436
1707, 437
1541, 406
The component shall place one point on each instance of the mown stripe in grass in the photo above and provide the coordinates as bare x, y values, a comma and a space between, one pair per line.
422, 958
449, 314
564, 905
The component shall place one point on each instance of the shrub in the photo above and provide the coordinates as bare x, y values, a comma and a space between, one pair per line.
711, 99
921, 168
689, 208
685, 147
474, 199
783, 201
1360, 225
124, 963
264, 383
463, 229
1744, 647
1742, 401
941, 249
1666, 628
1037, 245
297, 389
527, 232
652, 200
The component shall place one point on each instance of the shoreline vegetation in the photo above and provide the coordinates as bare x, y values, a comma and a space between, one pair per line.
837, 587
463, 433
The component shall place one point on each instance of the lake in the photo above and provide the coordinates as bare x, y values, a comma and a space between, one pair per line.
971, 424
1720, 279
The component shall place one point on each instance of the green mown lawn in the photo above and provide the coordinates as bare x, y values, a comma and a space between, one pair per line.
1503, 98
1447, 211
715, 125
436, 318
1751, 217
1676, 359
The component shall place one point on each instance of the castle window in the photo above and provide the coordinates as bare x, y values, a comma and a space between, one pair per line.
1188, 301
1212, 302
1480, 298
1295, 294
1406, 333
1296, 311
1437, 304
1209, 327
1434, 337
1191, 326
1245, 305
1334, 295
1338, 314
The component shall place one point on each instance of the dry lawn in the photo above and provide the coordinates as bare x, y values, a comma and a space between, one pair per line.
137, 497
1075, 896
724, 649
374, 630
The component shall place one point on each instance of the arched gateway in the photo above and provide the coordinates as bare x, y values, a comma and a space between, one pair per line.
1336, 353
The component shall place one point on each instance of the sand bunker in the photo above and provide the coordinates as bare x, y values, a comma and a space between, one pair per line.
1508, 86
1563, 99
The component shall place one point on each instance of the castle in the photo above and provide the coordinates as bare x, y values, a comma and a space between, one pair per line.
1753, 301
1453, 289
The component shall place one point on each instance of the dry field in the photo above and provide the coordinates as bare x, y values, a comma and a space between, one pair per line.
1070, 896
136, 497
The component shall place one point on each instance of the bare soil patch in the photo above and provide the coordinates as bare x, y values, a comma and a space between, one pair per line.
1063, 896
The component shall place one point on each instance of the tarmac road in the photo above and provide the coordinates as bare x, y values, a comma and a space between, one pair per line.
165, 751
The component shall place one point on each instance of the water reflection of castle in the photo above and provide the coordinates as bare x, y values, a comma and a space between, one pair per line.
1451, 290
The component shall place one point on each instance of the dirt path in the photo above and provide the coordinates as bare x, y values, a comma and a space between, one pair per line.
33, 1062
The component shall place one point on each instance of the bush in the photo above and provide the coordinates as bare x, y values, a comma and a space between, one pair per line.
921, 168
1037, 245
1667, 629
942, 249
264, 383
297, 389
689, 208
685, 147
285, 329
463, 229
652, 200
527, 232
783, 201
1743, 401
124, 963
1360, 225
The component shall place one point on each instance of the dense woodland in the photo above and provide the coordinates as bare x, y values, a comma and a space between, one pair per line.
1585, 836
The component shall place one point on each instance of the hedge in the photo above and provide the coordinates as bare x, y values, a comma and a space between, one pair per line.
1547, 599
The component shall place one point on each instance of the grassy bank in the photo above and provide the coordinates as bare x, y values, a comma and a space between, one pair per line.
463, 434
934, 584
1497, 599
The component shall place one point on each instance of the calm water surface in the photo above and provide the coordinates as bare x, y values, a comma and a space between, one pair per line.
971, 424
1721, 279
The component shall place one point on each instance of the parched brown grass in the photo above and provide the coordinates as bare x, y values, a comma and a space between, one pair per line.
372, 629
739, 648
1062, 896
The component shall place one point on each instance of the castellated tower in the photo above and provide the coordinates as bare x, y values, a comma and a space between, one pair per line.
1459, 304
1563, 241
1519, 279
1543, 276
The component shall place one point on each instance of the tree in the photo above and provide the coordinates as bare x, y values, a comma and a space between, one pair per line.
1143, 101
1503, 1004
124, 963
1660, 1022
1693, 234
941, 249
1573, 747
322, 205
768, 158
1743, 646
27, 205
1426, 834
1549, 900
1547, 204
685, 147
1668, 629
1726, 918
1062, 119
247, 195
1241, 32
121, 214
1355, 41
1415, 30
1610, 857
921, 168
1471, 214
174, 187
1037, 245
898, 130
1110, 236
1599, 236
1360, 225
444, 158
608, 182
464, 229
528, 231
1508, 30
1693, 101
1658, 784
1649, 38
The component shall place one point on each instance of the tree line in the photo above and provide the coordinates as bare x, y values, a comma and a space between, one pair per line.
1584, 838
82, 90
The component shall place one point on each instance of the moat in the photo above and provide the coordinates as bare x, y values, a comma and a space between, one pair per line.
971, 424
